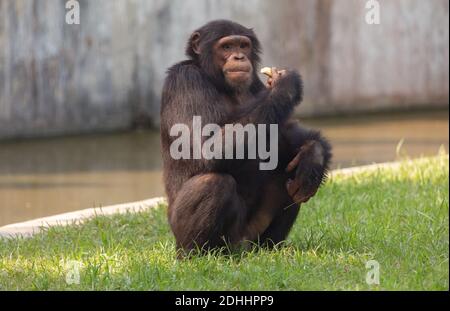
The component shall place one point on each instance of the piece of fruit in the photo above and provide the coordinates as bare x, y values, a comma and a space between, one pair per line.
267, 71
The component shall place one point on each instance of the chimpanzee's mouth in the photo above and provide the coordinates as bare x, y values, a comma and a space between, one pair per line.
237, 71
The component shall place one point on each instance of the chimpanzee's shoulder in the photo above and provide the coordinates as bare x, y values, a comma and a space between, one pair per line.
185, 76
184, 68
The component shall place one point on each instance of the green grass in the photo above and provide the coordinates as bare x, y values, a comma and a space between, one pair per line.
397, 216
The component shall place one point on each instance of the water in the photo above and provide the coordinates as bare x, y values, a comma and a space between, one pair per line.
50, 176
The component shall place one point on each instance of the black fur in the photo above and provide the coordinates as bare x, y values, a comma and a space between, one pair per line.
214, 202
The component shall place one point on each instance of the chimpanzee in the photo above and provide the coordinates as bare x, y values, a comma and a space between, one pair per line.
224, 202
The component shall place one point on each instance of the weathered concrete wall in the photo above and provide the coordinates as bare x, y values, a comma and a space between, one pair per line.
402, 62
107, 72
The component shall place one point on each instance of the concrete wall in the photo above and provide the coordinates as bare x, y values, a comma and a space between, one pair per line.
106, 73
402, 62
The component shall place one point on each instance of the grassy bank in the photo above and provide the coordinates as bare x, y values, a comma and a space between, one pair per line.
396, 216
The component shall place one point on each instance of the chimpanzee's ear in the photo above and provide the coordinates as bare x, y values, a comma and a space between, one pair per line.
195, 42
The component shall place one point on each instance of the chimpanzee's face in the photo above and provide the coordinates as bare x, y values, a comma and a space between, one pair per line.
232, 55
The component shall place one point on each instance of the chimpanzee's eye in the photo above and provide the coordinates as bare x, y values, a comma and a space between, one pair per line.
244, 45
226, 47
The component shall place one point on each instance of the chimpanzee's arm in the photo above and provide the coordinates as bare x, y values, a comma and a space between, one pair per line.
187, 93
297, 136
273, 106
309, 160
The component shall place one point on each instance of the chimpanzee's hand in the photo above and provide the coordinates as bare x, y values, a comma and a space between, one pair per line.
276, 76
309, 172
286, 86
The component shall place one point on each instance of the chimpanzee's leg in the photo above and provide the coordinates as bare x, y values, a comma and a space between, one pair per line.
277, 213
280, 226
207, 213
310, 156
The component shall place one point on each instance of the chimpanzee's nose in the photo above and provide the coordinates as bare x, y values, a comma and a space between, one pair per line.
239, 56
